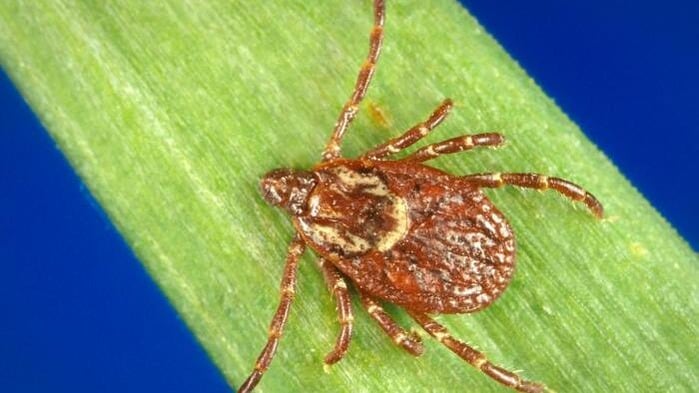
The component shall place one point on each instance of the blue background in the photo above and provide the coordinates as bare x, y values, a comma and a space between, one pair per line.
79, 314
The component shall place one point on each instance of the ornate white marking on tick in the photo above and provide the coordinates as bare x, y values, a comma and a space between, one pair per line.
399, 213
374, 185
314, 205
480, 219
483, 298
504, 231
461, 291
326, 234
500, 257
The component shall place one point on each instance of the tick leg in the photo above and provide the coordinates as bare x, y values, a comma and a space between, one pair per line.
456, 145
538, 182
474, 357
413, 135
288, 289
410, 342
338, 287
349, 110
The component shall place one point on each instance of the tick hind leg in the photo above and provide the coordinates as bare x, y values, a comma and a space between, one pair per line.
337, 286
474, 357
409, 342
538, 182
288, 289
349, 110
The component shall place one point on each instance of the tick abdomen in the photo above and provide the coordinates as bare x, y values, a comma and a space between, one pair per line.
418, 237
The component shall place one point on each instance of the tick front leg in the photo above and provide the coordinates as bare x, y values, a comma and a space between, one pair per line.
337, 286
411, 136
539, 182
456, 145
349, 110
276, 328
410, 342
474, 357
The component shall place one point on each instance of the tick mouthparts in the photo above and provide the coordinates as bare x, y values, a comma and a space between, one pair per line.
268, 188
288, 189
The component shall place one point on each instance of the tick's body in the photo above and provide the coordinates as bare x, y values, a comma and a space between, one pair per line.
409, 234
401, 232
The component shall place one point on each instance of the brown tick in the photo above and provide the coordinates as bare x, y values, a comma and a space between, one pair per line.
401, 232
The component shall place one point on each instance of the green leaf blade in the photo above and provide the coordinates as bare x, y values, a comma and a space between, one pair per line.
172, 112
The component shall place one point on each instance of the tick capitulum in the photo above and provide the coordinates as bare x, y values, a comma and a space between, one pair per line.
288, 189
401, 232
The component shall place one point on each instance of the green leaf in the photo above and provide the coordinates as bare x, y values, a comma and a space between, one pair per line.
171, 112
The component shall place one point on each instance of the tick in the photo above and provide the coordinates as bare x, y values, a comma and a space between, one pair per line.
401, 232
